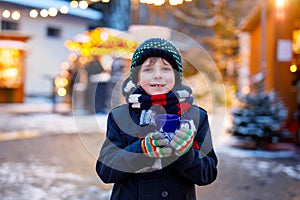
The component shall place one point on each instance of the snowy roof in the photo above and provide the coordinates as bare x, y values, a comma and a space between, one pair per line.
87, 13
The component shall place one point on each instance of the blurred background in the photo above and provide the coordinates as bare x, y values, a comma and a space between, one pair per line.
62, 64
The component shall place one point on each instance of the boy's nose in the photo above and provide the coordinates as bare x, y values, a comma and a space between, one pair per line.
157, 72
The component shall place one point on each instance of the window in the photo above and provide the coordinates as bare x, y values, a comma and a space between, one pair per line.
9, 25
53, 32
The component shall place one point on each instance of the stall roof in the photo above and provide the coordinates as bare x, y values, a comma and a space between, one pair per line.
87, 13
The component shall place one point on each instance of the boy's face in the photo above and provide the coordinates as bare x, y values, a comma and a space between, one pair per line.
156, 76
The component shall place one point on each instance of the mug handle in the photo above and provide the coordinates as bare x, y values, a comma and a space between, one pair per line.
186, 121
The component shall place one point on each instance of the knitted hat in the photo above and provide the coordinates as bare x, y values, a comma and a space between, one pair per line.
156, 47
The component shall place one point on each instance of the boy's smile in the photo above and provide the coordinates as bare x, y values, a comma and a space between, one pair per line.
156, 76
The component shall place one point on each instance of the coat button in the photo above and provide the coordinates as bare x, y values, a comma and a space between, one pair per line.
164, 194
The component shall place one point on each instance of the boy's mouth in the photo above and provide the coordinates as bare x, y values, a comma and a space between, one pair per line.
157, 85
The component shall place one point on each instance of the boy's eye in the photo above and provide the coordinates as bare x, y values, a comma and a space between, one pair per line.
167, 68
146, 69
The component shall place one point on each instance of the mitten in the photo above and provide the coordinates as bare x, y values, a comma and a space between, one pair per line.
155, 145
182, 141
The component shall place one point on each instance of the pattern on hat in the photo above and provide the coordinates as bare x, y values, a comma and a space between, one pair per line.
155, 47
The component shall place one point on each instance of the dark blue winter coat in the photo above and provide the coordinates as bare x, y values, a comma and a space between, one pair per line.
121, 157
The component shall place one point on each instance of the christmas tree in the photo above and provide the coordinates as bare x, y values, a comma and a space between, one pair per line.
260, 116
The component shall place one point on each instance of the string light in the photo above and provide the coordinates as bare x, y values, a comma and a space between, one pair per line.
161, 2
33, 13
293, 68
6, 14
74, 4
279, 3
52, 11
64, 9
16, 15
44, 13
83, 5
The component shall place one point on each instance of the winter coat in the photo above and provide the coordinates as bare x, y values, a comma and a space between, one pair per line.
121, 157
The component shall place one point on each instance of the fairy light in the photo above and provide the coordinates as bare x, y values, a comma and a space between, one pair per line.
104, 36
62, 92
159, 2
52, 11
64, 66
6, 14
279, 3
64, 9
44, 13
83, 4
33, 13
74, 4
16, 15
293, 68
105, 1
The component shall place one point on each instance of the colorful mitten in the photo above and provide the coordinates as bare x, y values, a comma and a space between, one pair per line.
155, 145
182, 141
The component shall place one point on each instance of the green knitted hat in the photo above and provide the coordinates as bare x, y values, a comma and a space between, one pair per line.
155, 47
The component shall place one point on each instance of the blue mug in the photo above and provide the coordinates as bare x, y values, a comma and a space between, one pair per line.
168, 123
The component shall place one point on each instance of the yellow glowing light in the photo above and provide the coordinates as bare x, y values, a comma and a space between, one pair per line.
279, 3
105, 1
143, 1
61, 92
83, 5
85, 52
95, 0
293, 68
33, 13
159, 2
6, 14
188, 0
64, 9
173, 2
44, 13
296, 41
11, 72
52, 11
60, 82
150, 1
74, 4
16, 15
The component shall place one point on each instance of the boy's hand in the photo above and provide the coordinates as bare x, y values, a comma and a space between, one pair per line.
182, 141
155, 145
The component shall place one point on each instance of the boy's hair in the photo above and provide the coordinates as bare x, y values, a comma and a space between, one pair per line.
156, 47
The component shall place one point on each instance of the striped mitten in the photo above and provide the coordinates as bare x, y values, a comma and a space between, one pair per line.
155, 145
182, 141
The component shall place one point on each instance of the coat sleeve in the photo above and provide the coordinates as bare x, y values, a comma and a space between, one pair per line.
199, 164
118, 158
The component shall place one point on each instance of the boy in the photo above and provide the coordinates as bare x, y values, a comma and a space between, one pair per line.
136, 157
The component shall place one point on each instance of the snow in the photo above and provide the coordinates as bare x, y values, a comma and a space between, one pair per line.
35, 181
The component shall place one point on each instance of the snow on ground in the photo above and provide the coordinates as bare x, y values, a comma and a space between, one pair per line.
35, 181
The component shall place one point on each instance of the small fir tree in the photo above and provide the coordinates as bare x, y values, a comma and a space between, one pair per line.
261, 115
